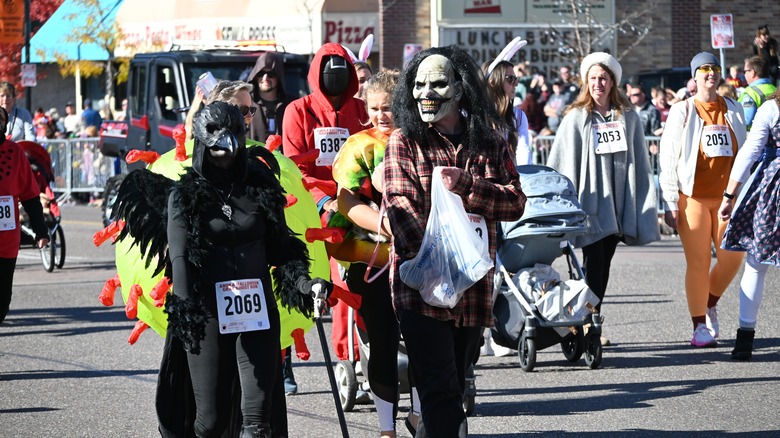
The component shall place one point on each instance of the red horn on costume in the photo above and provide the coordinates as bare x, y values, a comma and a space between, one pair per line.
291, 200
351, 299
273, 142
139, 328
109, 232
306, 157
109, 289
327, 234
131, 307
179, 134
301, 349
147, 157
159, 290
327, 187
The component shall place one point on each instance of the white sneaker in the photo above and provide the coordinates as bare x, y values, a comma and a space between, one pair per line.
499, 350
702, 337
712, 321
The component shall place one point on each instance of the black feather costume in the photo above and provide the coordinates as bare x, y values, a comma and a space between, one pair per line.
203, 244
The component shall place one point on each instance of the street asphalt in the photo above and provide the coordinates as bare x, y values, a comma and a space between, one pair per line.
66, 369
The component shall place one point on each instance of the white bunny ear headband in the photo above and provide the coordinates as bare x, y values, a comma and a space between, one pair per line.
506, 54
365, 49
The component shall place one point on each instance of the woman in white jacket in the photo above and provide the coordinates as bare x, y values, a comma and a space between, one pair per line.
701, 138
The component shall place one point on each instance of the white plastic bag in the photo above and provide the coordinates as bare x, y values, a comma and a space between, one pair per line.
452, 256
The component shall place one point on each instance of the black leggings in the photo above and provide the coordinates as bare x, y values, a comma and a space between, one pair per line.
255, 356
596, 262
7, 267
382, 328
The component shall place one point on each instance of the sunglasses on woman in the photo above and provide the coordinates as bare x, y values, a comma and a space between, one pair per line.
709, 68
511, 79
247, 111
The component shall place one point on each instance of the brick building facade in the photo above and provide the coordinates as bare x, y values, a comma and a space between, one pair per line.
681, 28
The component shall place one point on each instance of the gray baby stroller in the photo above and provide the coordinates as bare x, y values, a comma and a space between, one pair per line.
533, 308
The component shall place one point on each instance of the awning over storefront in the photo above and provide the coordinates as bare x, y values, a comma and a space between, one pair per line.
53, 36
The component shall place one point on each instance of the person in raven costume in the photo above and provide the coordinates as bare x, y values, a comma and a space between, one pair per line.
223, 217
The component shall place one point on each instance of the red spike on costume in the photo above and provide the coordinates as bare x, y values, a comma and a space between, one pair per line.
351, 299
327, 187
139, 328
109, 289
330, 235
306, 157
179, 134
291, 200
159, 290
273, 142
301, 349
109, 232
131, 308
147, 157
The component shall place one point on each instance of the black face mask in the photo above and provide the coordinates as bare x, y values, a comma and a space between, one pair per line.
335, 75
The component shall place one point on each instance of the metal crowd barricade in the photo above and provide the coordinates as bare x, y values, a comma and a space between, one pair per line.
79, 167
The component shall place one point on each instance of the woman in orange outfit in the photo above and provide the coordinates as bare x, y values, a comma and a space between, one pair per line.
697, 152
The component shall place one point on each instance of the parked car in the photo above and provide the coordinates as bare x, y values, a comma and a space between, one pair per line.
159, 91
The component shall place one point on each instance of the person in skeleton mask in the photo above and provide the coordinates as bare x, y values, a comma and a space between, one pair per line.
323, 121
445, 119
226, 229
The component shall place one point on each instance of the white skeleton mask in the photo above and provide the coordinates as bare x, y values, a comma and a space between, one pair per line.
435, 89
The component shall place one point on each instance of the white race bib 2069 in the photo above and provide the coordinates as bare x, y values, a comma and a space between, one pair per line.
329, 141
716, 141
7, 213
241, 306
610, 137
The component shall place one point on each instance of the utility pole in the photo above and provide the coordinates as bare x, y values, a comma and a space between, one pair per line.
27, 31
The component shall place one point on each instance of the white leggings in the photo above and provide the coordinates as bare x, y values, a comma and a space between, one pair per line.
751, 290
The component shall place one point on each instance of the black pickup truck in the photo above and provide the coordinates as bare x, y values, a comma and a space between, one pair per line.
161, 85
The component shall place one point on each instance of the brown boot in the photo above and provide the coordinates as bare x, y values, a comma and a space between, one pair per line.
743, 347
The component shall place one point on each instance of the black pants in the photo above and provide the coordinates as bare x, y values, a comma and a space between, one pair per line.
7, 267
596, 262
382, 329
439, 354
256, 357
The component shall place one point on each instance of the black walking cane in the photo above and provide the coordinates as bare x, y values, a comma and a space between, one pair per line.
318, 300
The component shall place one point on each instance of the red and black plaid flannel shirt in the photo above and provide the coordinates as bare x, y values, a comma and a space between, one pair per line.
489, 187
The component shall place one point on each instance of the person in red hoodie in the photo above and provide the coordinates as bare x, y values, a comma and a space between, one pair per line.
324, 120
17, 184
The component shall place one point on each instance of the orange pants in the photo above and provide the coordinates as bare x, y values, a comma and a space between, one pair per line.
699, 227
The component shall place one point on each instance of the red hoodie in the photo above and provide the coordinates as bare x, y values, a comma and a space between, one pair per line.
17, 183
308, 113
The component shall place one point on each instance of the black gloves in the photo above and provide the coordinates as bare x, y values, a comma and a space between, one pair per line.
319, 290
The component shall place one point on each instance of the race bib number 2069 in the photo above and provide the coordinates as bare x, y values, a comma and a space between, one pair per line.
241, 306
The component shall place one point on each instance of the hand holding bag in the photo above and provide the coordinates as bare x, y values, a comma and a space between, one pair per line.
452, 256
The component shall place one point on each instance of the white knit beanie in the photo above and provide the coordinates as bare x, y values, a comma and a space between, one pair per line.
604, 59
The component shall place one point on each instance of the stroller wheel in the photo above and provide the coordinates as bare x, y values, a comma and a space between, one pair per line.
593, 350
574, 346
48, 253
526, 352
347, 384
59, 253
